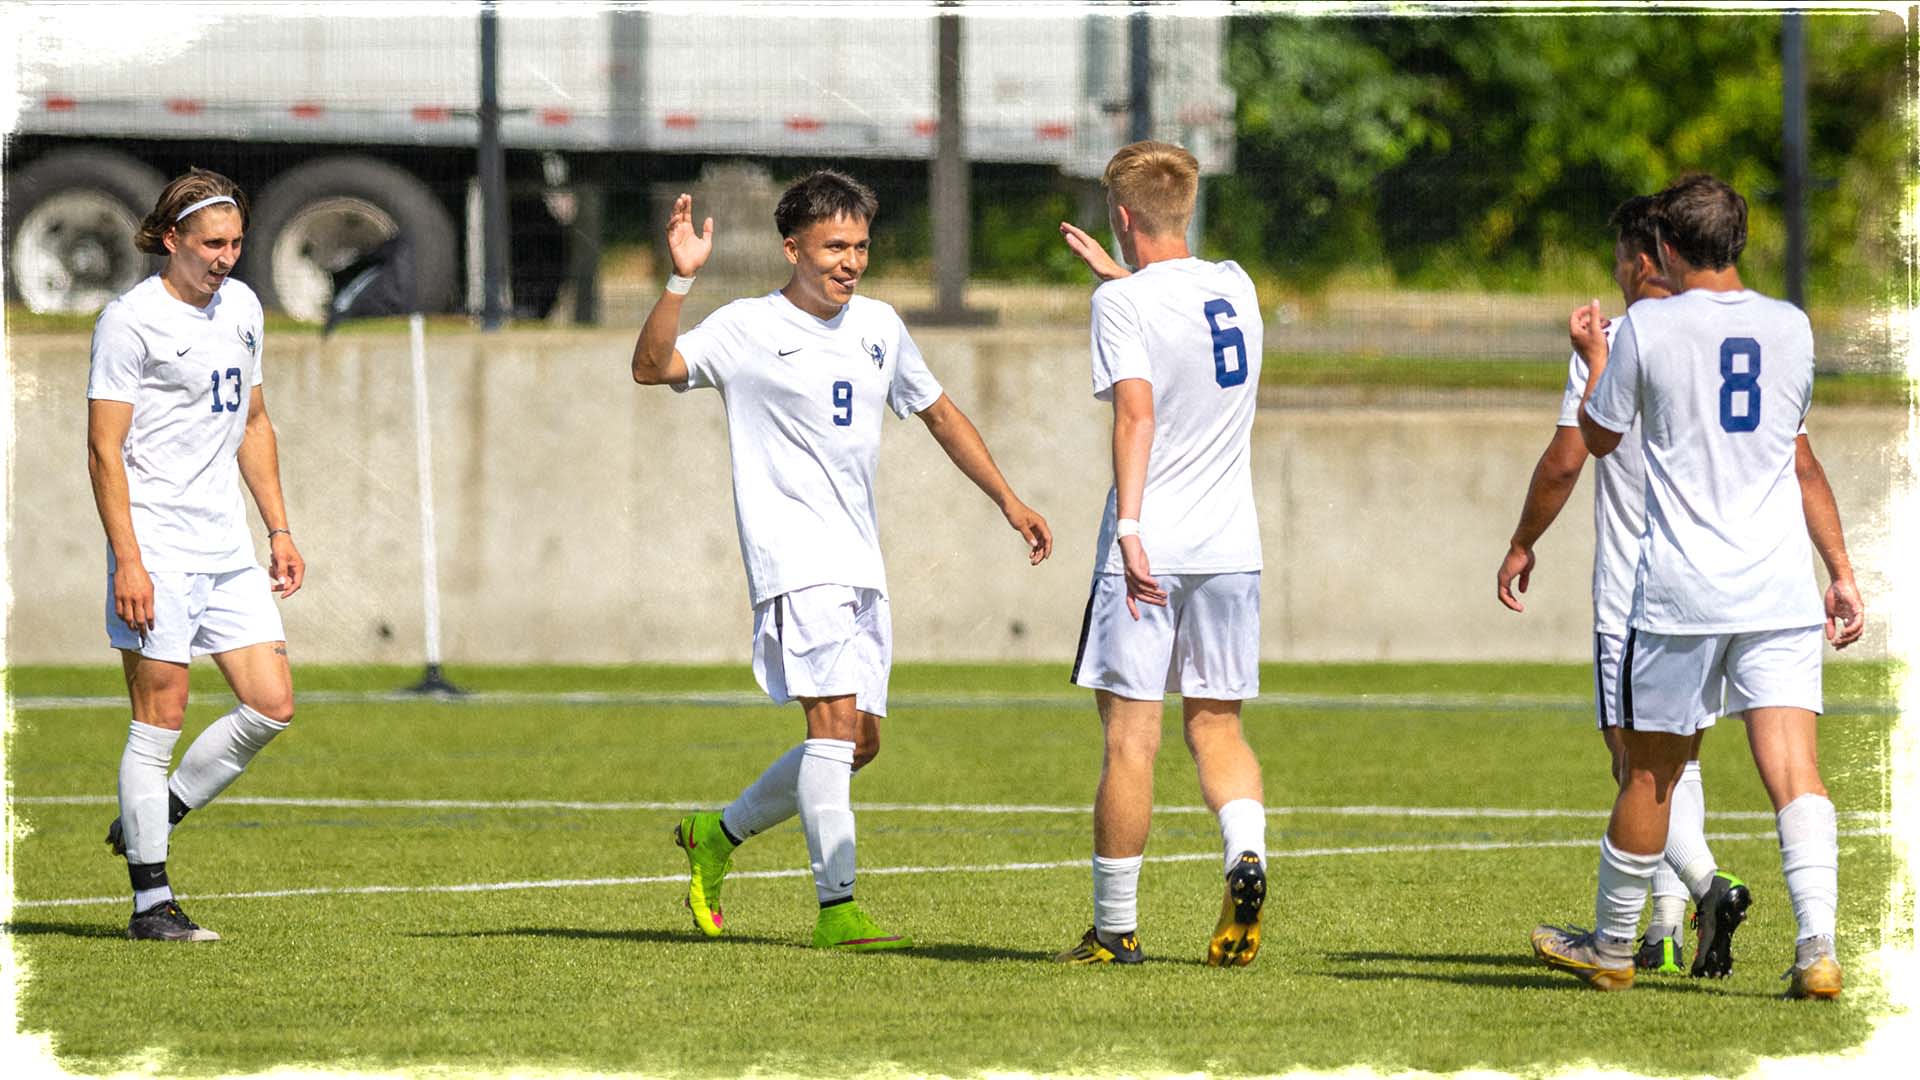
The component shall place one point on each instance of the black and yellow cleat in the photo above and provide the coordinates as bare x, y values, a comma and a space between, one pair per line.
1098, 948
1236, 938
1661, 955
1715, 918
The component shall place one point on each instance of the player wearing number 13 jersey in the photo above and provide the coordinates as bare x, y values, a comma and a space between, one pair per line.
176, 421
806, 374
1175, 603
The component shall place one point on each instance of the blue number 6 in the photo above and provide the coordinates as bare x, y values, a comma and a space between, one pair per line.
1733, 382
1224, 338
843, 400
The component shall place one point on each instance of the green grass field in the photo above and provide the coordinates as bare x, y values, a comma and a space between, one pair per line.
490, 884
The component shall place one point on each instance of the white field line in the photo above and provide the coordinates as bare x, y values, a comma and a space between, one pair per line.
1496, 812
990, 868
1463, 702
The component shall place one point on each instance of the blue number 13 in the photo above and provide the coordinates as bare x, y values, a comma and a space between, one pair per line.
1224, 338
1739, 382
843, 401
233, 374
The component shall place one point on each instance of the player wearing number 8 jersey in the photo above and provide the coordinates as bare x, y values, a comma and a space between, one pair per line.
1175, 603
1725, 615
176, 420
805, 374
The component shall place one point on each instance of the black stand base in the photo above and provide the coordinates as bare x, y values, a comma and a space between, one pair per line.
432, 681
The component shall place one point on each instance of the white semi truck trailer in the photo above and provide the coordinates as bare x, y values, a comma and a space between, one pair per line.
350, 122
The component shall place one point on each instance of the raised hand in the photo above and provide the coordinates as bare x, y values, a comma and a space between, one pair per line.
688, 250
1587, 329
1091, 253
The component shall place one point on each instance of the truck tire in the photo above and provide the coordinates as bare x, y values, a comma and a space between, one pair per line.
71, 216
318, 217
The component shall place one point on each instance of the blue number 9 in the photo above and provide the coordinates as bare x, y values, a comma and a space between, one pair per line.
843, 401
1224, 338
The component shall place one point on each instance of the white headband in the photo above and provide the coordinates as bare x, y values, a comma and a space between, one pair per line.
203, 204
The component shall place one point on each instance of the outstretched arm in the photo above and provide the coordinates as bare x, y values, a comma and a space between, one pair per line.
259, 459
655, 360
968, 452
1846, 613
1553, 479
107, 424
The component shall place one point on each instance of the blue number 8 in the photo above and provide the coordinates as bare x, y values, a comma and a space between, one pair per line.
1733, 382
843, 400
1224, 338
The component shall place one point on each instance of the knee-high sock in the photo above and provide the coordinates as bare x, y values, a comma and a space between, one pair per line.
1116, 887
1810, 858
1243, 827
1624, 877
773, 797
1687, 854
143, 808
221, 753
826, 813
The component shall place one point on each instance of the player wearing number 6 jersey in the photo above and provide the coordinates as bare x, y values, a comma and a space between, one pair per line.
1725, 614
806, 374
1175, 603
176, 420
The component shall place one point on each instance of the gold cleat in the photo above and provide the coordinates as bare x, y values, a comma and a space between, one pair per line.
1577, 952
1236, 938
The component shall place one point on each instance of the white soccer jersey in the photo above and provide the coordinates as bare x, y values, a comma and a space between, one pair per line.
1192, 329
1619, 508
189, 374
1721, 382
804, 397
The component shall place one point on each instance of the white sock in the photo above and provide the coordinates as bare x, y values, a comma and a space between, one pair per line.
221, 753
1810, 859
771, 799
1669, 905
143, 792
1116, 890
1624, 877
1243, 827
1687, 852
146, 898
826, 813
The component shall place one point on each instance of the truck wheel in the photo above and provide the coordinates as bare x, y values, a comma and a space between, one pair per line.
318, 217
71, 217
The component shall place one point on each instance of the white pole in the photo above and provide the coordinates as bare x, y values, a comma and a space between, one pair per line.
423, 442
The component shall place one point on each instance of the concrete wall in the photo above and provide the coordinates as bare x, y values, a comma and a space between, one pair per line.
584, 519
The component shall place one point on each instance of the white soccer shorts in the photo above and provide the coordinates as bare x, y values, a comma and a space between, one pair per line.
1607, 651
1676, 683
1205, 643
198, 614
825, 641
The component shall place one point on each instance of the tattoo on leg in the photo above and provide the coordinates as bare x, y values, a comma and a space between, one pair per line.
280, 650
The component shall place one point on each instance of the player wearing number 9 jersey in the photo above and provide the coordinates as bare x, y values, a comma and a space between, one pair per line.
806, 374
1175, 602
176, 420
1725, 613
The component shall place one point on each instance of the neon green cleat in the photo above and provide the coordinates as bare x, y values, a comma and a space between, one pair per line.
845, 926
709, 857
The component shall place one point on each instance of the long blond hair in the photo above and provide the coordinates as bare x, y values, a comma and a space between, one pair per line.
184, 191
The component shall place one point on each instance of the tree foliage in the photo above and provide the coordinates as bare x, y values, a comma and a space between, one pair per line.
1476, 147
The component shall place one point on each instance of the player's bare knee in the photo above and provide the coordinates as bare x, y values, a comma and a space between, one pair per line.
1133, 745
277, 707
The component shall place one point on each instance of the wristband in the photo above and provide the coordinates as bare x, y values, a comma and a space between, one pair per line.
271, 532
1126, 527
678, 285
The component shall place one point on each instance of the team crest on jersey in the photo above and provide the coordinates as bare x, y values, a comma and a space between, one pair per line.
877, 353
249, 339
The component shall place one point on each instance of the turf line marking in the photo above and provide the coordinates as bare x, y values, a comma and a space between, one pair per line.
749, 698
978, 868
1522, 813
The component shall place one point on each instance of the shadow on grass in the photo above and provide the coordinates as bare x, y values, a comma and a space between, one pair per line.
61, 929
1537, 978
973, 954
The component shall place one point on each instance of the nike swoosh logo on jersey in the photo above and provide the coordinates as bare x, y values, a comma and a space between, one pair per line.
184, 351
790, 352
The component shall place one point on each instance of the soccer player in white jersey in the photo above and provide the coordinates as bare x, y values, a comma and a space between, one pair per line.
1175, 603
1725, 614
806, 373
176, 422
